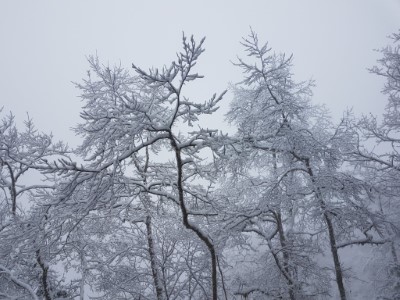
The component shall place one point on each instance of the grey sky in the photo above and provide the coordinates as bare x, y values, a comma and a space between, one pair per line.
44, 44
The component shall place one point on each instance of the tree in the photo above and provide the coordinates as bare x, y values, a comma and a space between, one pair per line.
125, 118
23, 253
295, 155
380, 166
152, 205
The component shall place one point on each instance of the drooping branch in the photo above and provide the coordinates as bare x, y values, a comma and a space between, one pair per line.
18, 282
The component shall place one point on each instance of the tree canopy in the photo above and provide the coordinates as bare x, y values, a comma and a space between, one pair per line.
154, 204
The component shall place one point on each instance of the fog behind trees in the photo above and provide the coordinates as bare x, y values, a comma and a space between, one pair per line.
166, 190
245, 215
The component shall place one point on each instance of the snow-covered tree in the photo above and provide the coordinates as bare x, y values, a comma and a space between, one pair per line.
25, 256
377, 159
154, 205
291, 157
126, 118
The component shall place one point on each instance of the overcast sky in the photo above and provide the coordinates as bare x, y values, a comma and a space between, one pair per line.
44, 44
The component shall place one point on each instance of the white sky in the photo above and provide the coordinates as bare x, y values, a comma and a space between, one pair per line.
43, 45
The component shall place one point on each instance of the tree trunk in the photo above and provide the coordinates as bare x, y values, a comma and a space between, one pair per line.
149, 232
207, 241
335, 255
12, 188
332, 237
153, 259
285, 254
45, 269
282, 240
83, 278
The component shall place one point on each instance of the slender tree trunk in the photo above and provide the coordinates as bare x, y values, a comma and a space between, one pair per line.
207, 241
12, 188
335, 255
282, 239
153, 259
45, 269
285, 254
83, 278
149, 233
332, 236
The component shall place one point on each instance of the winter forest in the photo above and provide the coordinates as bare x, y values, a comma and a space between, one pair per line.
154, 204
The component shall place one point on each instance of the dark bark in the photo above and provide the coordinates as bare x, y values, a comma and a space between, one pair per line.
282, 239
45, 270
285, 254
332, 236
207, 241
153, 259
149, 232
335, 255
12, 188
